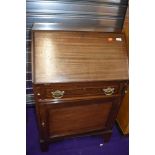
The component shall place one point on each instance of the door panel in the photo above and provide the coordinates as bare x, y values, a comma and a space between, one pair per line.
78, 119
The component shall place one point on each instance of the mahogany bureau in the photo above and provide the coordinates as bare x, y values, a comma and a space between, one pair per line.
79, 80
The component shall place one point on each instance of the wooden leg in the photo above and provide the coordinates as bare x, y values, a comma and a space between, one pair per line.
107, 137
44, 146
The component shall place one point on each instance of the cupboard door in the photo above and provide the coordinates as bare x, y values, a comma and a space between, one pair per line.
80, 118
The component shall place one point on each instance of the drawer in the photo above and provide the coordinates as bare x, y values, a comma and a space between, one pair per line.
60, 91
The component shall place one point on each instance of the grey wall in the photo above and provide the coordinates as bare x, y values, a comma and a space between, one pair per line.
94, 15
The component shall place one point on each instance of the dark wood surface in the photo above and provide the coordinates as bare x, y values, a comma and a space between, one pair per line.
81, 65
78, 89
60, 56
76, 120
77, 115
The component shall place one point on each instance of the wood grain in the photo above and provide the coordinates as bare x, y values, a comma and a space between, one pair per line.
62, 56
81, 64
73, 90
78, 119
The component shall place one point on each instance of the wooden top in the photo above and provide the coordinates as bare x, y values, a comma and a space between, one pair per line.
65, 56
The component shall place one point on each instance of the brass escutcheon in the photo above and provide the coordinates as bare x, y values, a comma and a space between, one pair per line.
57, 94
108, 91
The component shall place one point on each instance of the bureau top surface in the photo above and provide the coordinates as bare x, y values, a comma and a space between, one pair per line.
65, 56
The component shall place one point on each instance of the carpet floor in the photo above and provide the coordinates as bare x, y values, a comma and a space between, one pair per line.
88, 145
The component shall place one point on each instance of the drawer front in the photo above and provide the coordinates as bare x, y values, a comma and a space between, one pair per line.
58, 91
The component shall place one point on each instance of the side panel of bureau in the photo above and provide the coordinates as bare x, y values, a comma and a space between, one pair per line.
123, 114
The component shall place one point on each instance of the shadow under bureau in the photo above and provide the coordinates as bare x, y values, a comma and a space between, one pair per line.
79, 80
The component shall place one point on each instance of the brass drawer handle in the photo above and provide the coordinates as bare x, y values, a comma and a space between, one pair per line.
109, 91
57, 94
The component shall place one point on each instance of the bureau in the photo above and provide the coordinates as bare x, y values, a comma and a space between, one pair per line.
79, 80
